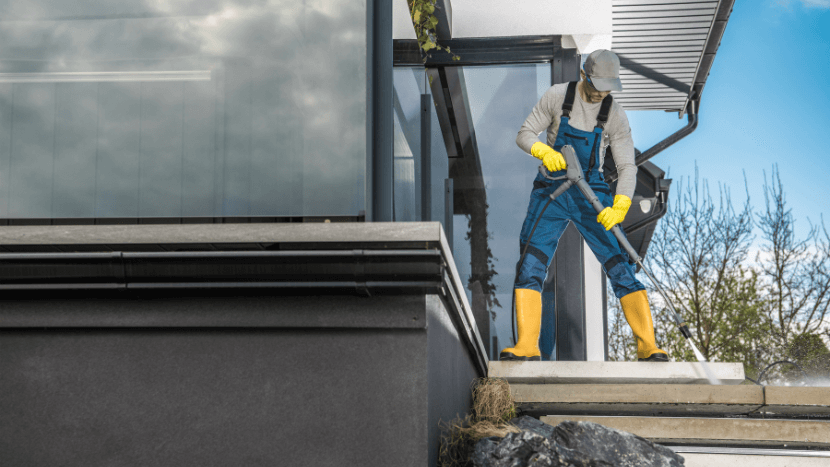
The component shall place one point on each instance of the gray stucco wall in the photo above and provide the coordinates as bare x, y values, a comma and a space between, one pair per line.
165, 379
241, 373
211, 398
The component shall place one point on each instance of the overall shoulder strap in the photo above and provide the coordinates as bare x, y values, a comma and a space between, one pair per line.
604, 110
568, 105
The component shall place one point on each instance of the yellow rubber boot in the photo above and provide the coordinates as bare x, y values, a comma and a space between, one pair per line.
529, 322
638, 314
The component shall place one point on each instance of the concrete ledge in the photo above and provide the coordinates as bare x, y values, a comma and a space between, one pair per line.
345, 232
735, 460
708, 456
727, 431
671, 399
399, 257
675, 399
614, 372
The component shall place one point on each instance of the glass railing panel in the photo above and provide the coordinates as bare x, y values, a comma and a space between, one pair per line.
500, 99
182, 108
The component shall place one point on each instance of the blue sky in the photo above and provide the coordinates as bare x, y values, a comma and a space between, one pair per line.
766, 101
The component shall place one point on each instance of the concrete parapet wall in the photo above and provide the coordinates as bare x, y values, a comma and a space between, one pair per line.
311, 389
219, 374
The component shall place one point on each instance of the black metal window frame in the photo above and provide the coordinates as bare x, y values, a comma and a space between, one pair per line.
481, 51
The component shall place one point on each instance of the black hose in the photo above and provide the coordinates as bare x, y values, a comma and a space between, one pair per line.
764, 371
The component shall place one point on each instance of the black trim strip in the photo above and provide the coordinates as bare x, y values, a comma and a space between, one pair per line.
479, 51
358, 268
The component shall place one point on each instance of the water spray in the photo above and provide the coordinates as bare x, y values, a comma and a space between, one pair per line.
574, 177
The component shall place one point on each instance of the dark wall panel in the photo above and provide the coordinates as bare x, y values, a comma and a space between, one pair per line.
213, 398
208, 308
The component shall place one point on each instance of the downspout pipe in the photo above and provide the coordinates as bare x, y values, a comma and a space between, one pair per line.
691, 125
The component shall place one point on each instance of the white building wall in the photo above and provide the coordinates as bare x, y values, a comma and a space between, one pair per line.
586, 24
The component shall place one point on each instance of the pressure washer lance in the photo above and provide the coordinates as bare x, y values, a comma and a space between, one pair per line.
574, 177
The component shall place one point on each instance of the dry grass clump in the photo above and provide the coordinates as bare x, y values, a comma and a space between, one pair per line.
492, 400
493, 407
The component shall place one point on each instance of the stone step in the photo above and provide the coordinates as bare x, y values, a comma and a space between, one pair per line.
796, 400
670, 399
696, 456
614, 372
715, 431
652, 399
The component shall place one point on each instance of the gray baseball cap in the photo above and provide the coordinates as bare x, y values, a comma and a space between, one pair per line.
603, 68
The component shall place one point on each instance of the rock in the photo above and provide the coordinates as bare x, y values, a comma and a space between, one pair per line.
572, 444
619, 447
535, 425
528, 449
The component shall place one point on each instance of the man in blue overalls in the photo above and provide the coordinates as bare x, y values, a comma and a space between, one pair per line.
589, 123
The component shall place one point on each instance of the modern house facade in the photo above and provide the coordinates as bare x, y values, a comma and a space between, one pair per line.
268, 233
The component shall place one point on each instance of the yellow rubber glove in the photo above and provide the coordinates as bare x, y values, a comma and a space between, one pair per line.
609, 217
552, 159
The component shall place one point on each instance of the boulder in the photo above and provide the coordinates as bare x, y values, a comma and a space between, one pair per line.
577, 444
528, 449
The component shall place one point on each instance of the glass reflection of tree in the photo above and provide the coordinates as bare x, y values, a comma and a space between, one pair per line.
482, 268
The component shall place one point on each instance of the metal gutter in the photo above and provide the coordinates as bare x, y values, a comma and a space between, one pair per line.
710, 49
691, 125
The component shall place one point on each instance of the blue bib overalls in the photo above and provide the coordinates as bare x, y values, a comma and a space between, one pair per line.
571, 206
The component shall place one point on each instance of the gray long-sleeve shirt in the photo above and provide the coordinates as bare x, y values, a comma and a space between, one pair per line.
617, 133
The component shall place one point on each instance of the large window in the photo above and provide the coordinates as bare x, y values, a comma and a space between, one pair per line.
410, 83
182, 108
